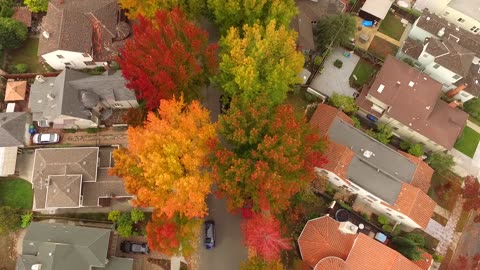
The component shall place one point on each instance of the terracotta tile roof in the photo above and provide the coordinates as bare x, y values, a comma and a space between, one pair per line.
331, 263
414, 100
415, 204
369, 254
422, 177
324, 116
321, 238
339, 158
425, 262
23, 15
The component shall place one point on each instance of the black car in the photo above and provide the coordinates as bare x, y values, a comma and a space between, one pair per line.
209, 234
134, 247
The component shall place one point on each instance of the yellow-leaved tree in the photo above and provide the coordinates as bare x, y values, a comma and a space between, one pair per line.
147, 8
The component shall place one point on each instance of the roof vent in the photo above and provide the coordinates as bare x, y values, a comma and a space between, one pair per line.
51, 96
428, 107
428, 18
411, 84
456, 28
40, 78
368, 154
398, 83
441, 32
348, 227
45, 34
37, 266
425, 78
68, 190
380, 88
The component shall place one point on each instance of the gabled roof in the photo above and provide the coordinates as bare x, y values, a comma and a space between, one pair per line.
415, 204
413, 99
324, 116
450, 55
423, 174
331, 263
377, 8
96, 20
13, 126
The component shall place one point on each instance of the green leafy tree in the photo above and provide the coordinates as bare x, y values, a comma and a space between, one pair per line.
407, 248
417, 238
125, 225
416, 149
383, 220
259, 60
382, 134
356, 122
334, 30
137, 215
405, 145
472, 107
346, 103
36, 5
6, 8
10, 219
235, 13
114, 215
12, 33
147, 9
441, 162
26, 219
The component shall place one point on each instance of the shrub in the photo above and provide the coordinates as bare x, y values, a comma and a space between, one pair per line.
356, 122
26, 219
36, 5
12, 33
405, 145
437, 258
338, 63
69, 130
416, 238
387, 227
125, 225
6, 8
346, 103
383, 220
21, 68
114, 215
137, 215
330, 190
416, 149
352, 2
344, 205
317, 60
92, 130
408, 61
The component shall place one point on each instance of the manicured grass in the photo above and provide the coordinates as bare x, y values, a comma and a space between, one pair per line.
27, 55
392, 27
381, 48
467, 142
363, 71
445, 189
16, 193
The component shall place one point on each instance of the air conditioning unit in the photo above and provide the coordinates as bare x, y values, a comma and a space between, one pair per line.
36, 266
348, 227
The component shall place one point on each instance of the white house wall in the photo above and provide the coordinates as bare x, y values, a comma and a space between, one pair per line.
77, 60
373, 201
78, 124
442, 75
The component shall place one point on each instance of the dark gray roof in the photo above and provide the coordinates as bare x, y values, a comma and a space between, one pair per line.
58, 246
383, 172
62, 95
470, 8
13, 127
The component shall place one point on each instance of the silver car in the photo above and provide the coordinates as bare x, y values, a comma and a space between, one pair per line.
46, 138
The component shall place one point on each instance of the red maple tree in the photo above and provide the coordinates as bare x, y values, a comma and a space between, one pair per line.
461, 263
471, 192
162, 235
166, 55
263, 234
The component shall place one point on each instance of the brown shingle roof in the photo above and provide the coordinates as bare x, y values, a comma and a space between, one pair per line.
415, 204
369, 254
63, 191
23, 15
87, 26
412, 48
450, 55
321, 238
423, 174
323, 118
472, 80
418, 106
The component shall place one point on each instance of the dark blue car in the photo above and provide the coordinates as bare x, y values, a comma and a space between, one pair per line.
209, 234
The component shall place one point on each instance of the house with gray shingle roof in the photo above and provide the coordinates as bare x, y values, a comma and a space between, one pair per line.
52, 246
13, 134
82, 34
78, 100
74, 178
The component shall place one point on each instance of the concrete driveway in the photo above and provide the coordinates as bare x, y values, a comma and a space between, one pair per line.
229, 251
333, 79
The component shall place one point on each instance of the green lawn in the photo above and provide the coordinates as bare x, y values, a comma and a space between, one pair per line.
363, 71
381, 48
27, 55
467, 142
16, 193
392, 27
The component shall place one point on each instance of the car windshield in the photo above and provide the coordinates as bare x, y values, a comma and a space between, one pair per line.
208, 239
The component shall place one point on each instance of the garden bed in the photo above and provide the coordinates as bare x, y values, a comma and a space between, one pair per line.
392, 26
467, 142
381, 48
16, 193
363, 71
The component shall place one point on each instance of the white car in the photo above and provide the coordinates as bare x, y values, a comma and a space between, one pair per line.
46, 138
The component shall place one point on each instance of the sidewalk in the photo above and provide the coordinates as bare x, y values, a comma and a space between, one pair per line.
473, 126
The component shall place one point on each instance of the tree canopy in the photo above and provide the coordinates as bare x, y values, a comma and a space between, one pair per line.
163, 163
234, 13
147, 8
334, 30
259, 61
36, 5
345, 103
12, 33
440, 162
6, 8
166, 56
408, 247
472, 107
271, 156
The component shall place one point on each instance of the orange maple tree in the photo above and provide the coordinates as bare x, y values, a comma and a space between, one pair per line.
163, 164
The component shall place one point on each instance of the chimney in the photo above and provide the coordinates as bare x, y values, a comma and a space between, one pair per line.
454, 104
455, 91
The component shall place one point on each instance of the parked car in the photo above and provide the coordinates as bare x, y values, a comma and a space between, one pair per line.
46, 138
134, 247
209, 234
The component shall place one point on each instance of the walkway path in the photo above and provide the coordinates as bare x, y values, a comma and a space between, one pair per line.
446, 234
473, 126
387, 38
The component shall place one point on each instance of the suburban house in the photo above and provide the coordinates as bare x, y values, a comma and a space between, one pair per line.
74, 177
75, 99
326, 244
14, 134
409, 101
50, 246
446, 53
389, 182
375, 10
463, 13
82, 34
